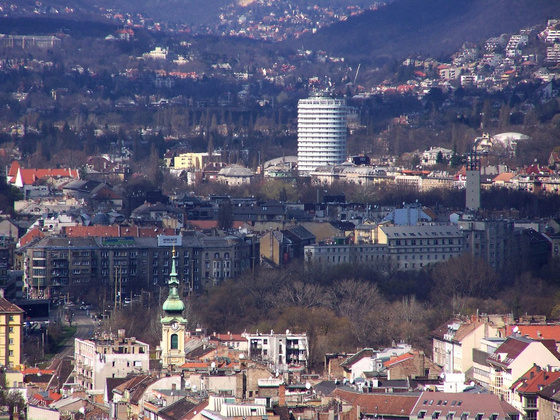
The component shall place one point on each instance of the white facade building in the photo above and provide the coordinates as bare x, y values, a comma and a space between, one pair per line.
322, 132
111, 357
279, 351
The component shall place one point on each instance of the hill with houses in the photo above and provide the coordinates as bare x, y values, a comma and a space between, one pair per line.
430, 28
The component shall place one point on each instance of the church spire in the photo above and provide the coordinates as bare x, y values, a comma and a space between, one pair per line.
173, 325
173, 305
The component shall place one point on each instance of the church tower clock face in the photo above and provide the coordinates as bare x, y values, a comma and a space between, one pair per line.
175, 326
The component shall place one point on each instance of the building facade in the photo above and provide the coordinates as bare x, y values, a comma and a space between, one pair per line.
108, 357
322, 132
279, 351
11, 333
56, 266
173, 325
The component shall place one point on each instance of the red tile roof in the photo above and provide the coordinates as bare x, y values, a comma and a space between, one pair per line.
398, 359
36, 370
194, 365
29, 176
29, 236
210, 224
536, 332
115, 231
534, 380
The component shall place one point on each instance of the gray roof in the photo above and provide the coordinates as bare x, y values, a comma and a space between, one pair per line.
235, 170
421, 231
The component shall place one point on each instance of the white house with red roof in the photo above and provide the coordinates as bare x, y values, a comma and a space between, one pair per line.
20, 177
524, 392
515, 357
535, 331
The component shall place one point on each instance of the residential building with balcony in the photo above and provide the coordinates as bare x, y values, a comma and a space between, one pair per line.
281, 352
481, 369
524, 392
55, 266
514, 358
108, 357
453, 343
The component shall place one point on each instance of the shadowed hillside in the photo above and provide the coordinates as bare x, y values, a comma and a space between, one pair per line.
428, 27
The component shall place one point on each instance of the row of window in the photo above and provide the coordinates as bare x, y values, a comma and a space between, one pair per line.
451, 416
443, 241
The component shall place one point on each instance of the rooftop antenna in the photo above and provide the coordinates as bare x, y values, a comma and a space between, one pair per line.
357, 71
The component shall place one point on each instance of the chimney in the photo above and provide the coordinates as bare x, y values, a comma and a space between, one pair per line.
121, 333
282, 395
2, 293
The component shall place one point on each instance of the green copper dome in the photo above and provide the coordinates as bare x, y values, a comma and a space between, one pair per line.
173, 304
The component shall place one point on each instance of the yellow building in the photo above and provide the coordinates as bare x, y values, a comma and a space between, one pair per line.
190, 161
11, 333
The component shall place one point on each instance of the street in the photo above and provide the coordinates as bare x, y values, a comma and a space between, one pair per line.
85, 327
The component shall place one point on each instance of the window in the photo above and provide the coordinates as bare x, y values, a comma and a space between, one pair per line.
174, 341
531, 402
421, 414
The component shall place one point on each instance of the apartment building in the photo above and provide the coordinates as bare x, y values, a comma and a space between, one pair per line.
414, 247
514, 357
11, 333
279, 351
404, 247
108, 357
335, 254
454, 342
490, 240
55, 266
322, 131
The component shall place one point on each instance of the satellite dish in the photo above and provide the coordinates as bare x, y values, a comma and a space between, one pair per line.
82, 410
242, 356
516, 329
213, 365
307, 385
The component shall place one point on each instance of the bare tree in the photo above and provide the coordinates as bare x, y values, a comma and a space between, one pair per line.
303, 295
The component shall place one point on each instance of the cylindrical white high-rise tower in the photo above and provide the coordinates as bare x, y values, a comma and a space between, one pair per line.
321, 133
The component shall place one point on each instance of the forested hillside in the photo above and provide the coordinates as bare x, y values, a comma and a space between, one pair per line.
432, 27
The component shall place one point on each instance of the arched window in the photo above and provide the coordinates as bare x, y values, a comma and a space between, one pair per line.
174, 341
